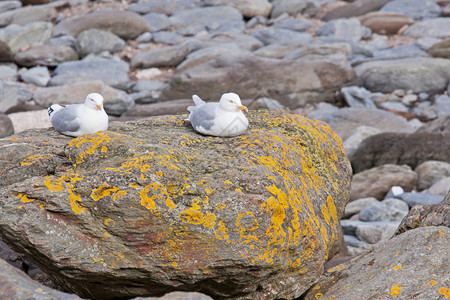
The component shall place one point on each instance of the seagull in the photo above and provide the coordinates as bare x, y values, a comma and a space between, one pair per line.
224, 118
78, 119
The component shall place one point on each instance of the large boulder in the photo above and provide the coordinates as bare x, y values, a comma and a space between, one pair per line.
401, 148
125, 24
15, 284
419, 74
151, 207
293, 83
411, 265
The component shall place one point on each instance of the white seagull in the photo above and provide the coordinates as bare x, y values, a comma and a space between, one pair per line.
78, 119
224, 118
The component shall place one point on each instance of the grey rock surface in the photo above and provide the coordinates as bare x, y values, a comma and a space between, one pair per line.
377, 182
429, 75
415, 9
45, 55
95, 41
399, 267
125, 24
112, 72
430, 172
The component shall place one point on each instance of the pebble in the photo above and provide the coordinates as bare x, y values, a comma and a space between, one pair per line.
13, 94
442, 187
112, 72
389, 209
415, 9
354, 207
6, 126
413, 199
282, 36
347, 29
8, 71
430, 172
39, 76
94, 41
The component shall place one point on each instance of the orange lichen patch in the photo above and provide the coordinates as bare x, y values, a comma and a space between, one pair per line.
118, 195
395, 291
336, 268
444, 292
53, 185
432, 283
24, 198
109, 222
74, 202
103, 191
318, 295
31, 160
397, 267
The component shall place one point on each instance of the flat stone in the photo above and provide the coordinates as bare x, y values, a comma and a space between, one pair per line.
336, 53
111, 72
344, 121
38, 32
248, 8
353, 142
39, 76
355, 206
440, 49
30, 120
275, 50
45, 55
385, 22
415, 9
389, 209
353, 9
8, 71
292, 24
282, 36
170, 56
377, 182
163, 7
430, 172
6, 126
294, 7
442, 106
213, 19
12, 94
440, 187
436, 27
421, 199
394, 106
96, 41
125, 24
116, 101
9, 5
417, 74
26, 15
347, 29
157, 21
147, 85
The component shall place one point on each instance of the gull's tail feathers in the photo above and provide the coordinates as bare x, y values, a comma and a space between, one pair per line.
53, 109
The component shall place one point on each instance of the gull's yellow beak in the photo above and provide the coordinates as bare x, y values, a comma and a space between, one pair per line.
243, 108
99, 106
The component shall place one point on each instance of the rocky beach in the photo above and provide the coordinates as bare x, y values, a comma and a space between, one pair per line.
339, 189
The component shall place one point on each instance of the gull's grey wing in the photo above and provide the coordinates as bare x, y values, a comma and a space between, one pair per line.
203, 116
66, 119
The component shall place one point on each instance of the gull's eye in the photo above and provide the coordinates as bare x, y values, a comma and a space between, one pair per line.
231, 101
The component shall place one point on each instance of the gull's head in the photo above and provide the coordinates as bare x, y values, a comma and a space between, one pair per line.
94, 100
232, 102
